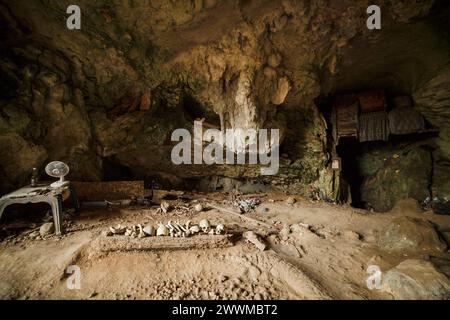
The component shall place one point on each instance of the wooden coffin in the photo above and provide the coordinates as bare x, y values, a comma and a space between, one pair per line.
372, 101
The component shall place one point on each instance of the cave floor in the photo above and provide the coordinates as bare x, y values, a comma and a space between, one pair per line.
326, 260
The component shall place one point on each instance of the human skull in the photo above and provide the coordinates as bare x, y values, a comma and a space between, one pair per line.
194, 229
198, 207
149, 230
204, 225
162, 230
220, 229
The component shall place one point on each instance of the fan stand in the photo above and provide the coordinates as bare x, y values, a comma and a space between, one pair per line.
60, 183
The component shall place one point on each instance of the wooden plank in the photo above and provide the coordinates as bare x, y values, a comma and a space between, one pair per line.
126, 243
108, 190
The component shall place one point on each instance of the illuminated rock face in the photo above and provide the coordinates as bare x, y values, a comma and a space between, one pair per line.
108, 96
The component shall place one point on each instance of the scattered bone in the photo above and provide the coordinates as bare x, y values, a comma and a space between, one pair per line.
251, 237
172, 231
164, 207
47, 229
185, 230
141, 233
194, 229
119, 229
180, 231
242, 216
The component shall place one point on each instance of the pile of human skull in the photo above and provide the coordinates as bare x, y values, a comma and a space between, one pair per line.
172, 229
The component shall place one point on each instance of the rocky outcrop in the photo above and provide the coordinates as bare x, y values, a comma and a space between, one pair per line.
433, 100
416, 280
392, 174
406, 234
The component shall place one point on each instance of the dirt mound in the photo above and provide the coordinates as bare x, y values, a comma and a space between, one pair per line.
238, 272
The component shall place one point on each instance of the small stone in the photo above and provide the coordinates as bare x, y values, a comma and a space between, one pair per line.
274, 60
47, 229
284, 233
34, 234
269, 72
198, 207
291, 200
251, 237
351, 235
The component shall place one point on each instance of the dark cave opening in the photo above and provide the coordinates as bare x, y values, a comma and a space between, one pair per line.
194, 110
113, 170
349, 150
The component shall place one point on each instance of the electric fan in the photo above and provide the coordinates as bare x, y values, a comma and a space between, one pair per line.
57, 169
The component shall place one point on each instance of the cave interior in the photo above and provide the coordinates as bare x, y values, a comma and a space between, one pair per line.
363, 164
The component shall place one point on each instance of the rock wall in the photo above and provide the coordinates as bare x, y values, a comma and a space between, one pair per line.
394, 172
111, 93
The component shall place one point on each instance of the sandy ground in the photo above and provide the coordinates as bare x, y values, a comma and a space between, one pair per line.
328, 260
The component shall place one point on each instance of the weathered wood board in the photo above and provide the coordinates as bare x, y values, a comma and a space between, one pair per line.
126, 243
108, 190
